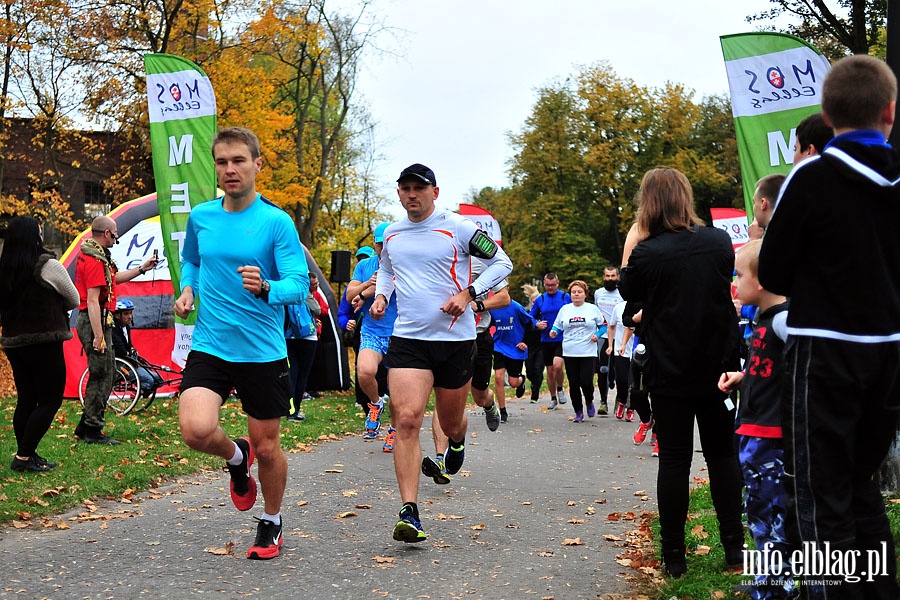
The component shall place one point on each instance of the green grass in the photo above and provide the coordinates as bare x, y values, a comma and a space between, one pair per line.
705, 574
152, 453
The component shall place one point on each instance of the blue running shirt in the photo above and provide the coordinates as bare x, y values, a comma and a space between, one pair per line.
232, 323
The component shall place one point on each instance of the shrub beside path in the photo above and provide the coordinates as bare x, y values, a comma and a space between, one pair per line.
541, 509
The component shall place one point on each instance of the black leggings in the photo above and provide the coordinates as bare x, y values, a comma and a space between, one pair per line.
40, 374
301, 354
638, 398
675, 432
580, 371
606, 370
621, 366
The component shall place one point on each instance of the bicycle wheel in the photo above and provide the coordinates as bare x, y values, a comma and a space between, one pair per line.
82, 385
126, 388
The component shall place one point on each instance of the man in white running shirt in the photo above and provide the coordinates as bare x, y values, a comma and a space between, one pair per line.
426, 262
606, 298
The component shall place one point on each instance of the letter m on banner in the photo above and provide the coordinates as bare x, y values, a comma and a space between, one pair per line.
182, 109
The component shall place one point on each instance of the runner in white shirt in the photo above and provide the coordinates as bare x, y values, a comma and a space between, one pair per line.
579, 322
425, 261
606, 299
619, 353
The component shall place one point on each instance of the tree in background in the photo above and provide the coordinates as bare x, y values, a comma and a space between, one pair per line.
285, 69
578, 164
847, 26
290, 76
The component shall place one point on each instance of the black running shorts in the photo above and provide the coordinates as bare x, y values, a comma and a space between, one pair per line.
513, 366
550, 350
264, 388
449, 361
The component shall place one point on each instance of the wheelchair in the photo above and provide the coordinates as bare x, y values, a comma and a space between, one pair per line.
127, 393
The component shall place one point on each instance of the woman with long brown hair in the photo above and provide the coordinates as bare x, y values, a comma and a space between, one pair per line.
35, 293
682, 272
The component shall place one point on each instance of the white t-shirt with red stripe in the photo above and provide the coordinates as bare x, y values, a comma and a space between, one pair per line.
425, 264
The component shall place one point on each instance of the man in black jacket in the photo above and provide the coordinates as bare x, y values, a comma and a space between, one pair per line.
838, 214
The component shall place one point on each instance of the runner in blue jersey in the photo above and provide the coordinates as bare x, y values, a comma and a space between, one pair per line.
510, 351
374, 336
242, 261
544, 311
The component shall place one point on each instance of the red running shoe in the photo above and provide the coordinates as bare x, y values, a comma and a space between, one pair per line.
641, 434
243, 486
268, 541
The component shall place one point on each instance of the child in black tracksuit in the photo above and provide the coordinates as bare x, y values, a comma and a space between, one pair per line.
837, 214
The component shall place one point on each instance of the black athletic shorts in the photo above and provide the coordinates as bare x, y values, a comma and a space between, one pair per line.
264, 388
513, 366
550, 350
484, 353
449, 361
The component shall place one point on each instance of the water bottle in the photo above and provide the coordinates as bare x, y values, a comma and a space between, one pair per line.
639, 356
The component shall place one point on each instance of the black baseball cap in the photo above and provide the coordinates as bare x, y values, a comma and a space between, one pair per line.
420, 172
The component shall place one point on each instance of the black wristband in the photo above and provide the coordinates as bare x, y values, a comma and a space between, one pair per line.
141, 270
479, 306
471, 290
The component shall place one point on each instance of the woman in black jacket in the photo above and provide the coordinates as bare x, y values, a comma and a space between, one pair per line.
35, 293
682, 271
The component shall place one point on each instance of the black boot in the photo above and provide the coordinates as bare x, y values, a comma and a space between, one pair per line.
94, 435
734, 549
81, 428
674, 563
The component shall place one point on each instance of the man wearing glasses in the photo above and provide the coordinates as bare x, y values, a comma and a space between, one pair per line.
96, 276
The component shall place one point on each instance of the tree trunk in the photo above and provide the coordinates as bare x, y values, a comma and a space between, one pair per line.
889, 473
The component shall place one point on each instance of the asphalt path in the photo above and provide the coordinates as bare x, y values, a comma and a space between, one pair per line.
527, 517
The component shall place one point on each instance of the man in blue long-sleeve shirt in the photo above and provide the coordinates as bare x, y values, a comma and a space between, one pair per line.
243, 260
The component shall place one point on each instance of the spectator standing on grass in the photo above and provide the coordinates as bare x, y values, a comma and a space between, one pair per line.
764, 197
838, 213
812, 135
301, 332
242, 258
96, 277
35, 295
682, 272
760, 448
